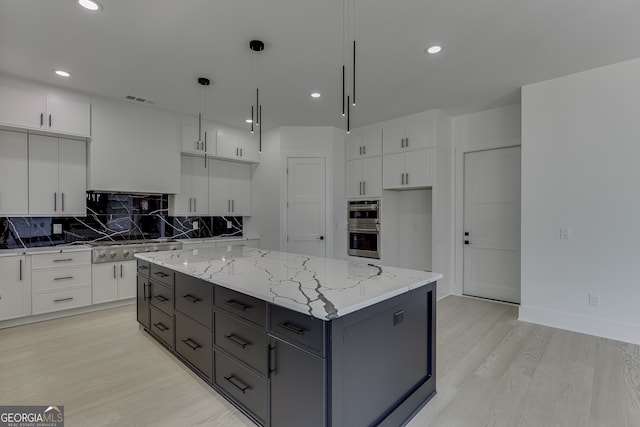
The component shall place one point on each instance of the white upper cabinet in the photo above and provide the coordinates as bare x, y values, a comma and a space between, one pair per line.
57, 176
193, 199
364, 144
364, 177
404, 171
52, 111
409, 133
14, 176
204, 144
237, 144
229, 188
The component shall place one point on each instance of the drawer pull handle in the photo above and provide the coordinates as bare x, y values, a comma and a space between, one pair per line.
161, 298
291, 328
237, 340
63, 260
191, 298
237, 305
63, 278
63, 299
161, 274
237, 383
192, 344
143, 267
160, 326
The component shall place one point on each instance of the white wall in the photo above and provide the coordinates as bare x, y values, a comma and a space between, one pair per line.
494, 128
580, 156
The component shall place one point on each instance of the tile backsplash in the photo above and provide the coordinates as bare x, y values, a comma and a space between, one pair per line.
114, 217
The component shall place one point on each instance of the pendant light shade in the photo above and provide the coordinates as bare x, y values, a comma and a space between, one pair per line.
348, 40
256, 46
202, 145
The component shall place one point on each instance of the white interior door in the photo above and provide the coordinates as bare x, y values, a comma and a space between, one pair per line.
492, 224
306, 225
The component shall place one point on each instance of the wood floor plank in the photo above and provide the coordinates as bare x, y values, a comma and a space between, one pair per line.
492, 370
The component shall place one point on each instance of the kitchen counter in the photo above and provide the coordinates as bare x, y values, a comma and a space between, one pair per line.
321, 287
44, 250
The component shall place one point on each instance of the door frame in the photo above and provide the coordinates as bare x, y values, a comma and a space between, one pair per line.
284, 196
457, 285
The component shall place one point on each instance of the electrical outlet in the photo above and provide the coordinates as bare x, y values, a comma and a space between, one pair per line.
594, 299
229, 224
564, 233
195, 225
57, 228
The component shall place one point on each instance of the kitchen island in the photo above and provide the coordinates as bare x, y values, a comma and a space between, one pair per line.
296, 340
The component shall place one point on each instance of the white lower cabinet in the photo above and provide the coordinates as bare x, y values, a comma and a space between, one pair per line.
14, 283
60, 281
112, 281
403, 171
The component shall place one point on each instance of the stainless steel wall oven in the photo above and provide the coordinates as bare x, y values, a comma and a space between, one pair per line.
364, 228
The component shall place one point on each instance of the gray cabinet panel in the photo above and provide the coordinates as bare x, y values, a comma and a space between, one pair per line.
248, 389
142, 301
161, 296
144, 268
161, 274
193, 298
301, 329
247, 343
161, 325
193, 342
297, 383
245, 306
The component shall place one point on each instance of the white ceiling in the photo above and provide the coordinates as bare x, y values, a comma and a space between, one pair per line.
156, 48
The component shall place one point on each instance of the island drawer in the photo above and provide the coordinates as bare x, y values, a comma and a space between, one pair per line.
161, 274
248, 389
144, 268
245, 306
161, 296
193, 342
247, 343
193, 298
297, 328
162, 326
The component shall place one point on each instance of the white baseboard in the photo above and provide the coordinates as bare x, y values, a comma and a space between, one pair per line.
586, 325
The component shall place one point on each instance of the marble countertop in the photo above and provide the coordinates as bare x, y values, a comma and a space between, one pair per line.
324, 288
215, 239
44, 250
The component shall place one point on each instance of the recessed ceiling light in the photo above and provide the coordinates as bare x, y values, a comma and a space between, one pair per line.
62, 73
90, 4
248, 120
433, 49
315, 94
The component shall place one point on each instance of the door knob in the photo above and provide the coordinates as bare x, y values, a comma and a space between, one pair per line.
466, 242
321, 237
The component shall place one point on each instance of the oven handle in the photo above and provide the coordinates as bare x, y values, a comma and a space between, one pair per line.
365, 230
353, 208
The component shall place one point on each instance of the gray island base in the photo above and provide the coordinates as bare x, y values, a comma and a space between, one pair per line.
293, 340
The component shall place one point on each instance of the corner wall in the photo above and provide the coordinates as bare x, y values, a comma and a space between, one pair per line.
580, 154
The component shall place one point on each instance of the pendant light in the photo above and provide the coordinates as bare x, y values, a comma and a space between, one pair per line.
256, 47
348, 33
203, 82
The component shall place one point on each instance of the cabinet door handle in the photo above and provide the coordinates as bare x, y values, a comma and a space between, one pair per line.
364, 149
114, 271
161, 274
55, 202
364, 188
229, 205
406, 144
241, 152
161, 298
121, 271
233, 205
195, 204
63, 278
63, 299
237, 340
62, 197
237, 305
63, 260
271, 360
41, 119
407, 180
189, 204
291, 328
237, 384
237, 151
192, 344
205, 153
20, 270
191, 298
160, 326
402, 179
145, 294
49, 120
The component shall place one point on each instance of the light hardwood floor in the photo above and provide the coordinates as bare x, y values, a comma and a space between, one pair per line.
492, 370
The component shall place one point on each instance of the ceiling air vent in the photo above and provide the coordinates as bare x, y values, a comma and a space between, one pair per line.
138, 99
